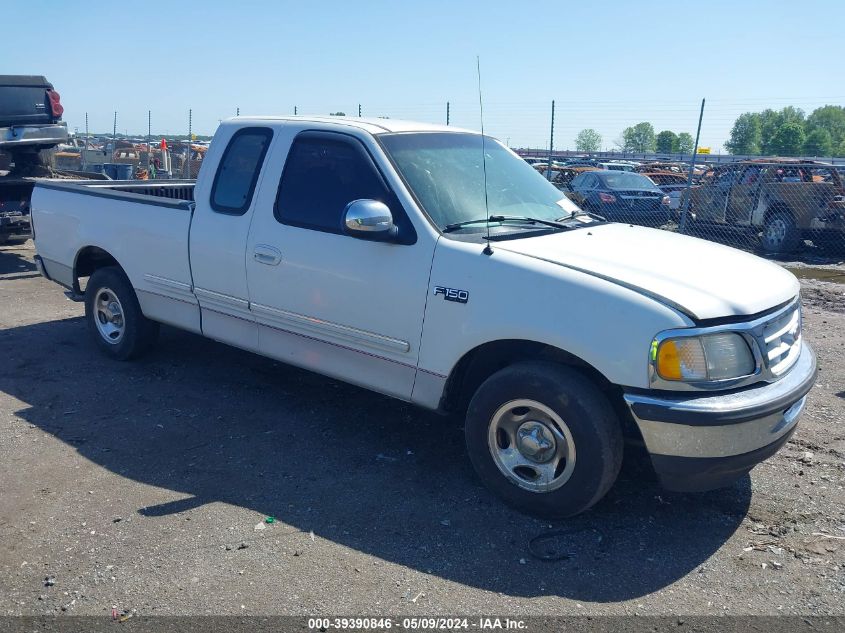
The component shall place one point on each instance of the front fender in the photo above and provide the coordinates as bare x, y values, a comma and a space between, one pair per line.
510, 296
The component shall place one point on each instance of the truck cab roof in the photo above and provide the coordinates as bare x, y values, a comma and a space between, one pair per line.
371, 125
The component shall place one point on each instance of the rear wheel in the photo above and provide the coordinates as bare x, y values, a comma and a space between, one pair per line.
543, 438
780, 233
114, 316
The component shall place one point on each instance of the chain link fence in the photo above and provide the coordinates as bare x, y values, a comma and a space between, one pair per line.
787, 208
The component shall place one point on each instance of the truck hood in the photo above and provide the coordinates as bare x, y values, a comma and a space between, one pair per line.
700, 278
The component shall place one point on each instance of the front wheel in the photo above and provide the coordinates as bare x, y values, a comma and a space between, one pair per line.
544, 438
114, 316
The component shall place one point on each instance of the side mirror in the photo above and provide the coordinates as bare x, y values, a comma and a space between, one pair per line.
369, 220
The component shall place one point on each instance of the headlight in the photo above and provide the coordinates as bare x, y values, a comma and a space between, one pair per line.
704, 358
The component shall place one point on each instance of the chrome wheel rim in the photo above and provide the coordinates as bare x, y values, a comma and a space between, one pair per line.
108, 316
776, 231
531, 445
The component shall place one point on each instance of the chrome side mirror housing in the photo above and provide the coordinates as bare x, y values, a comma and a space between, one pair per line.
369, 220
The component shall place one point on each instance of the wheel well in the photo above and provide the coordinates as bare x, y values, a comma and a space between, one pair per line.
777, 207
88, 260
480, 363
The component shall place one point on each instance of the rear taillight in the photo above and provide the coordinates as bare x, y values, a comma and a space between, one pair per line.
55, 103
607, 197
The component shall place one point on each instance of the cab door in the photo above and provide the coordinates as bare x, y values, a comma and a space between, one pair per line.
219, 232
327, 301
743, 195
712, 202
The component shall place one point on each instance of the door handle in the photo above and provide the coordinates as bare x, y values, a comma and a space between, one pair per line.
264, 254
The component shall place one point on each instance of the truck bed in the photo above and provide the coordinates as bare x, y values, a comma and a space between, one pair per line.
142, 225
158, 192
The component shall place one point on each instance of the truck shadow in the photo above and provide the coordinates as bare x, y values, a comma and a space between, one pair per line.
361, 470
14, 259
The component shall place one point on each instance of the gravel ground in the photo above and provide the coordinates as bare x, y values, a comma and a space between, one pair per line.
146, 486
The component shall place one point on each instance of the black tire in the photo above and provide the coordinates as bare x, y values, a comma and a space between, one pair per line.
135, 332
593, 426
780, 233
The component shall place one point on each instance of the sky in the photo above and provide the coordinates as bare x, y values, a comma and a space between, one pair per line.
606, 65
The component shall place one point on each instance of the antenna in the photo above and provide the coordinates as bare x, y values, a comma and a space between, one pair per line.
487, 250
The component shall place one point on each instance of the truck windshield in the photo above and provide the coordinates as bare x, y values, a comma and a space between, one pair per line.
445, 172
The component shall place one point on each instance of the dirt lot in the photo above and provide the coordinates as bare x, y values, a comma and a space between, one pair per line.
146, 486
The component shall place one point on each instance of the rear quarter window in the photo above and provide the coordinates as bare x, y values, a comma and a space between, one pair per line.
237, 174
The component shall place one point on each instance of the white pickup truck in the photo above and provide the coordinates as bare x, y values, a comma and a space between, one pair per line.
434, 265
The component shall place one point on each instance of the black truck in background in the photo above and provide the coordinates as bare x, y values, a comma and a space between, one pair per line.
30, 124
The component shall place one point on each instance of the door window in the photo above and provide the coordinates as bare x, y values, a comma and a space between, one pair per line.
324, 173
237, 175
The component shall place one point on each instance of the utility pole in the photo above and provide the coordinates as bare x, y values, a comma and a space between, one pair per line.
359, 110
149, 139
114, 138
237, 112
294, 110
186, 171
447, 113
86, 131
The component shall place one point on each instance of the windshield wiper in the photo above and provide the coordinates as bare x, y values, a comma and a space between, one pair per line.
574, 214
506, 218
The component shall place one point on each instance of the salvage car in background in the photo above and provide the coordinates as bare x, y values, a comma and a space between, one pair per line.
662, 166
784, 201
618, 165
563, 177
671, 183
621, 196
30, 124
30, 117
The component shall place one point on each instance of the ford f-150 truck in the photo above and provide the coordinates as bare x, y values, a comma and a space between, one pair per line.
434, 265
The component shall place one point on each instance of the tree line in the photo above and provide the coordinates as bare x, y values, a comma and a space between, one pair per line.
639, 138
788, 132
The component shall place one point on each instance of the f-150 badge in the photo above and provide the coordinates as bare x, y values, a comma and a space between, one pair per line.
452, 294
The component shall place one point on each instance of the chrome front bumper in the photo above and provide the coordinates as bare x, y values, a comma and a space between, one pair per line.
699, 441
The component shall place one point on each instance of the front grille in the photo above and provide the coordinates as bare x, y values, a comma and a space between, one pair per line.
780, 340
